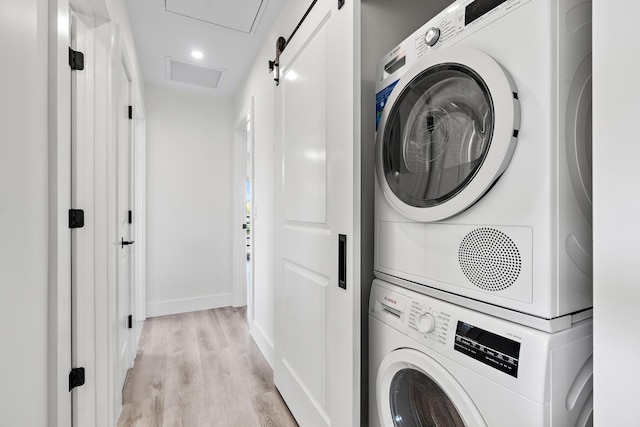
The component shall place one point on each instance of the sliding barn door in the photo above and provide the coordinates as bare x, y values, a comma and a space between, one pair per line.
315, 368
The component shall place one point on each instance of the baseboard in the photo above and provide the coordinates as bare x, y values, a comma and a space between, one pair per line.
186, 305
264, 343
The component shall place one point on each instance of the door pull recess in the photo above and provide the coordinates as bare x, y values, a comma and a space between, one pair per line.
342, 261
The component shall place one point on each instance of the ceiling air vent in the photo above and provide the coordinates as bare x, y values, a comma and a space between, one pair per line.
198, 75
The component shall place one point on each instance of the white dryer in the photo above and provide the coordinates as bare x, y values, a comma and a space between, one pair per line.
433, 363
483, 158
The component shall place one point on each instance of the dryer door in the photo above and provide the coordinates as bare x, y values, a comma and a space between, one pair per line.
413, 390
447, 132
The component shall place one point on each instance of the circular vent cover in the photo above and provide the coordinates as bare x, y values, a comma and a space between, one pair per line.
489, 259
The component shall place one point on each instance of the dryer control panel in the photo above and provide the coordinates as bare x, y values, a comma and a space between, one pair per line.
461, 17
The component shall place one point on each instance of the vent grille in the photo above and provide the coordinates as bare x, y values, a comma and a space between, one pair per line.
489, 259
184, 72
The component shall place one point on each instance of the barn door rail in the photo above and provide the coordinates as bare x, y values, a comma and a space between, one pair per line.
281, 44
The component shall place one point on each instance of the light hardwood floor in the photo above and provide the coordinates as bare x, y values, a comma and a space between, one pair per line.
201, 369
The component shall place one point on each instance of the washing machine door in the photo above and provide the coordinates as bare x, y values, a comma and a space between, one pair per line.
413, 390
447, 132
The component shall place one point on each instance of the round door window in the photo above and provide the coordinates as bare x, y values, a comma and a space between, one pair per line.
418, 401
438, 134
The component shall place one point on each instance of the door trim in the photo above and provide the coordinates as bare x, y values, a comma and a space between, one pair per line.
139, 209
59, 303
83, 102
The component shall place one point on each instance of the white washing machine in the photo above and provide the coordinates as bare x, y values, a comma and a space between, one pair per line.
483, 158
433, 363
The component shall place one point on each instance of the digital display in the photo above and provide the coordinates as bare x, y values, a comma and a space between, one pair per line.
494, 350
478, 8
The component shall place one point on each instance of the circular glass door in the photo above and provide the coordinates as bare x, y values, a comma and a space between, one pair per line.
447, 133
417, 401
414, 390
437, 136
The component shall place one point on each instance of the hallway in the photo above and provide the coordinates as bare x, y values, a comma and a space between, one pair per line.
201, 369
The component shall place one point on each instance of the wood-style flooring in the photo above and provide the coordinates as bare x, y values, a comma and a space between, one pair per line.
201, 369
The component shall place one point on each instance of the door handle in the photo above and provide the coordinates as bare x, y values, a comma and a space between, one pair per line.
342, 261
124, 243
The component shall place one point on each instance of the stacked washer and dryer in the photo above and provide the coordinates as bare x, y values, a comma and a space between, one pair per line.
480, 314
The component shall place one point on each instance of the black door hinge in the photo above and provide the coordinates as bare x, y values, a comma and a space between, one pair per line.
76, 218
76, 60
130, 217
340, 4
130, 321
130, 112
76, 378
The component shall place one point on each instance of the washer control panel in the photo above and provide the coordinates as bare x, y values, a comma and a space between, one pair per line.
453, 331
430, 323
491, 349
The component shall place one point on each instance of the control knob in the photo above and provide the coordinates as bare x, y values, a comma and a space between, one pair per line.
426, 323
432, 36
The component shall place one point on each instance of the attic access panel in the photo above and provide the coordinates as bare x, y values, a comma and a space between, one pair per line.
237, 15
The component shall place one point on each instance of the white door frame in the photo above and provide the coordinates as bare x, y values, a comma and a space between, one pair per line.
59, 304
243, 138
83, 101
139, 210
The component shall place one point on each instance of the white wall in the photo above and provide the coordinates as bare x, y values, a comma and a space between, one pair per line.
118, 14
616, 212
23, 213
189, 201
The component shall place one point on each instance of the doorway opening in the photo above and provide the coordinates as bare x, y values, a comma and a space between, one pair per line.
249, 206
246, 212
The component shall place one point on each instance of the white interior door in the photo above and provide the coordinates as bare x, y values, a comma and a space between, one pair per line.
314, 330
124, 333
91, 187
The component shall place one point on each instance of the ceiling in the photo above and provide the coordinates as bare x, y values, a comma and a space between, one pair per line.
229, 33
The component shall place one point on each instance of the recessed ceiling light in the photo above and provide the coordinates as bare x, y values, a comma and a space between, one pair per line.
197, 54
